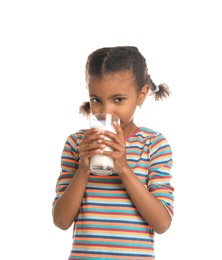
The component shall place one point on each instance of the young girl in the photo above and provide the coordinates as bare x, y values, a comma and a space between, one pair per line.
116, 216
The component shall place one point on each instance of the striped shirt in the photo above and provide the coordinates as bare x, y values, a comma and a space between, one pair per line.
108, 225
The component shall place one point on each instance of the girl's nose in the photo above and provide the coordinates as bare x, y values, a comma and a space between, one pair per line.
107, 109
107, 112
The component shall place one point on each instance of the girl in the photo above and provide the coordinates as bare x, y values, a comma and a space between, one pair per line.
116, 216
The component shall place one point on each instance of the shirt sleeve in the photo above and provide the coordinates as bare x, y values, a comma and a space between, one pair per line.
159, 177
69, 165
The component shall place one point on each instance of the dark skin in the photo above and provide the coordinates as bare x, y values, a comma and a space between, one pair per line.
115, 94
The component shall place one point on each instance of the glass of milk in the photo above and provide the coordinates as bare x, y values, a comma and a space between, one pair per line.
101, 164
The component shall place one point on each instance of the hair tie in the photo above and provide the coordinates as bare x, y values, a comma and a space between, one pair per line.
156, 88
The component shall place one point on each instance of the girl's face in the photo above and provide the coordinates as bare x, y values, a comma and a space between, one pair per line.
116, 94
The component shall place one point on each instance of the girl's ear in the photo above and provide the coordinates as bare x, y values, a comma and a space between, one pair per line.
142, 94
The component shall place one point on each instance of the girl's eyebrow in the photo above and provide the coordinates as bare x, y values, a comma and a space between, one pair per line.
93, 95
113, 96
120, 94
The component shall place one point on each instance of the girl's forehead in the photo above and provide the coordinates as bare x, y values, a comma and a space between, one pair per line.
123, 78
111, 86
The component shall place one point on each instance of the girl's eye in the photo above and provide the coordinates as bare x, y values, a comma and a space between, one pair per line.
118, 100
95, 100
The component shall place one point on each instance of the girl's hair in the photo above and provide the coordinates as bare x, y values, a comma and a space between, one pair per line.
122, 58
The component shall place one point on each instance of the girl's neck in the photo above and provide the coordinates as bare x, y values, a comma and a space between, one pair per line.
129, 129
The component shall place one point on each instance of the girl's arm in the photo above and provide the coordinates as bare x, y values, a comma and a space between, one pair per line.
68, 204
151, 209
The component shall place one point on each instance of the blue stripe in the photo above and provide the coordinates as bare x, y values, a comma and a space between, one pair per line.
117, 237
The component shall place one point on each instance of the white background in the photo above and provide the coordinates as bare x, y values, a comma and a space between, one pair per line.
43, 49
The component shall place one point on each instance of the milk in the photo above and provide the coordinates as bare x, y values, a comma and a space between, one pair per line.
101, 164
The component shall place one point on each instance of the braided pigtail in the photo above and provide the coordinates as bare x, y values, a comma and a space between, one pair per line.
85, 109
159, 91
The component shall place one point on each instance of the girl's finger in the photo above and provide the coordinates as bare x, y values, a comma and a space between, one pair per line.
118, 138
90, 132
92, 135
119, 130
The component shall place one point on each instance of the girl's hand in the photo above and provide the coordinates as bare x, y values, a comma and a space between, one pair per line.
91, 145
117, 143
